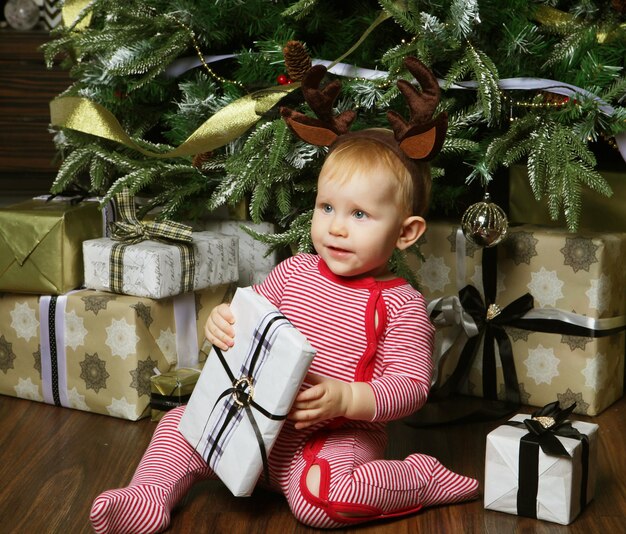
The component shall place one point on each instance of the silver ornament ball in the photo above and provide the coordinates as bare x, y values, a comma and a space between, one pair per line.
485, 224
21, 14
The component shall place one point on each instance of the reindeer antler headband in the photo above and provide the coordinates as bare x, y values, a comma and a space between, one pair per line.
418, 139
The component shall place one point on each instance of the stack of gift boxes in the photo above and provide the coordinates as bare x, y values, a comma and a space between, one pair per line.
554, 314
87, 321
575, 280
558, 299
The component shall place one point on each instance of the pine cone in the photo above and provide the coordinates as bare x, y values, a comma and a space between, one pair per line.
297, 60
554, 98
201, 158
619, 6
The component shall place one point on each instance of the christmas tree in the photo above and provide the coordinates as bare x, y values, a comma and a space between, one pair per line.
179, 99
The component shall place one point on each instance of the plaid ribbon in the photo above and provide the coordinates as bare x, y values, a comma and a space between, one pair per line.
129, 231
239, 398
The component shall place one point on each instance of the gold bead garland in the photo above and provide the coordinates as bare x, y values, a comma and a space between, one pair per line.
201, 55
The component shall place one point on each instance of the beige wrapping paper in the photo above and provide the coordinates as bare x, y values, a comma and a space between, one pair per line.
577, 273
97, 351
41, 244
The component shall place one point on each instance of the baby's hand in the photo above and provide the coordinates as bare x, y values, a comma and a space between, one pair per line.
219, 329
325, 399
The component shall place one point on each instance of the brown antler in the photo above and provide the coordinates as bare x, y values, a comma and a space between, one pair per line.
325, 130
422, 136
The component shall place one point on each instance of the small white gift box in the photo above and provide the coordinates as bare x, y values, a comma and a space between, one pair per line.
154, 269
242, 397
561, 486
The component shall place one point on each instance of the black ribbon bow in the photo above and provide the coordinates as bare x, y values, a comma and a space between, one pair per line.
544, 425
491, 321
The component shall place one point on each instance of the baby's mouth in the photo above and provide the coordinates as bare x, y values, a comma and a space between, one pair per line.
337, 250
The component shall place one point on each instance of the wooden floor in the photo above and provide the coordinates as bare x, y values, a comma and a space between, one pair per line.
54, 461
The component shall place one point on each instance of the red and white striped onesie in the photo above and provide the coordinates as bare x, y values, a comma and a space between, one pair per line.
363, 330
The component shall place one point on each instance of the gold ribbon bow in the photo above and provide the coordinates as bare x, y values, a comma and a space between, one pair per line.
129, 231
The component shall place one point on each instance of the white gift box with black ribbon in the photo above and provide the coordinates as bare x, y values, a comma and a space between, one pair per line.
522, 479
243, 395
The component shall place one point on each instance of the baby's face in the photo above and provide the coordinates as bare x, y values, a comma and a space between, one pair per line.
357, 223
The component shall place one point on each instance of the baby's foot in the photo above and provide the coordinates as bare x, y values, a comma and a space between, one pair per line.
132, 510
442, 486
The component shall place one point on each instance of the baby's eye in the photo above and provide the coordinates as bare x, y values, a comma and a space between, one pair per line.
358, 214
327, 208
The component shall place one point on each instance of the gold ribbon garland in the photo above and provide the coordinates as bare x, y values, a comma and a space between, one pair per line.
72, 10
551, 16
227, 124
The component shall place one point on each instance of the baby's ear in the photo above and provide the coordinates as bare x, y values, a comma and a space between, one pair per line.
412, 229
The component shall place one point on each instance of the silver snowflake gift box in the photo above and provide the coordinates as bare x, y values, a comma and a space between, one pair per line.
243, 395
154, 269
576, 277
526, 477
256, 260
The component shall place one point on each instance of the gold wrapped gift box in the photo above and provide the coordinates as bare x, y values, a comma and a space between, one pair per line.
599, 213
96, 351
41, 245
170, 390
581, 274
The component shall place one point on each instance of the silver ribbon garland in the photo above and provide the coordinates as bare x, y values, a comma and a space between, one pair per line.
179, 66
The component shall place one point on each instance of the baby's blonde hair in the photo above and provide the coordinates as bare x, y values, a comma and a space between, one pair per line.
364, 154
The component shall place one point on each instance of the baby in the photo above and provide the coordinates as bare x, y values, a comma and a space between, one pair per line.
373, 339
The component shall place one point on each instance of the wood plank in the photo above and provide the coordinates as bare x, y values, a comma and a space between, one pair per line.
55, 461
28, 157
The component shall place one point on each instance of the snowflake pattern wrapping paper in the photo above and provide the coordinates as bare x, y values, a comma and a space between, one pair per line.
154, 270
96, 351
41, 244
559, 479
577, 273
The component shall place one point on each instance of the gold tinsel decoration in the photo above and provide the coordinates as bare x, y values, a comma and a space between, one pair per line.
297, 60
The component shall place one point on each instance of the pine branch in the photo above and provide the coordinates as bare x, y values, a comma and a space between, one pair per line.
463, 15
400, 266
562, 164
74, 164
402, 14
300, 9
486, 74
